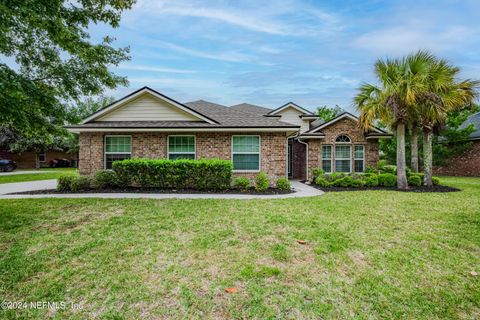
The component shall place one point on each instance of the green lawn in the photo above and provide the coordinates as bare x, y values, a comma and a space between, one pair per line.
45, 173
369, 254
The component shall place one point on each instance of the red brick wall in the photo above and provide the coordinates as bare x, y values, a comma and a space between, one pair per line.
208, 145
27, 160
343, 126
466, 164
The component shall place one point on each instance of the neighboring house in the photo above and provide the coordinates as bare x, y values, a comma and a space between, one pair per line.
281, 142
32, 159
467, 163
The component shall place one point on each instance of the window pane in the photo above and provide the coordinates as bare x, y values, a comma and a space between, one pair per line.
181, 144
118, 144
181, 156
342, 152
327, 165
246, 162
359, 152
342, 165
110, 158
326, 152
246, 144
358, 165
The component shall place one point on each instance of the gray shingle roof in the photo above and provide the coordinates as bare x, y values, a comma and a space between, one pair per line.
475, 120
251, 108
230, 117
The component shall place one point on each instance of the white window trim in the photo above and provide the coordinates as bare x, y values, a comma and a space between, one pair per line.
363, 158
259, 151
182, 135
44, 153
349, 158
105, 148
331, 157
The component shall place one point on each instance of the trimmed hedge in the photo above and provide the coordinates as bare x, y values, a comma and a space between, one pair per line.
106, 179
414, 180
241, 183
74, 183
387, 179
261, 182
203, 174
283, 184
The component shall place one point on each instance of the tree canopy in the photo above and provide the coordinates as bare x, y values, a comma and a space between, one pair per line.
328, 113
48, 60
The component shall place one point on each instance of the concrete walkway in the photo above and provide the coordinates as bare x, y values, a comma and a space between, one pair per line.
301, 190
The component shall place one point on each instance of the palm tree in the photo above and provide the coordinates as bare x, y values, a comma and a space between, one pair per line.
443, 94
414, 148
401, 84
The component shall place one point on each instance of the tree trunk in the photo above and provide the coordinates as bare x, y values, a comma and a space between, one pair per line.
37, 161
401, 162
414, 145
427, 158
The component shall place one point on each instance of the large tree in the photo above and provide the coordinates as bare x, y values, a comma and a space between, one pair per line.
48, 60
392, 102
443, 94
327, 113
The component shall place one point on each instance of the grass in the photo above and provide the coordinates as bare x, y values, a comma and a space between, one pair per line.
368, 254
44, 174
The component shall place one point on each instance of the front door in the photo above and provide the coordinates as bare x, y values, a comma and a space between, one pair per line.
297, 155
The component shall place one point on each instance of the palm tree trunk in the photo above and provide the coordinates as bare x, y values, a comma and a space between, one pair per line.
427, 158
401, 162
414, 147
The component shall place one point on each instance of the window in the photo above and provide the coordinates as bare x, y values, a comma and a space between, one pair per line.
343, 139
343, 157
359, 159
327, 158
181, 147
117, 148
42, 156
246, 153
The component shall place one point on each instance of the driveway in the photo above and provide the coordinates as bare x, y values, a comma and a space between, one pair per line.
301, 190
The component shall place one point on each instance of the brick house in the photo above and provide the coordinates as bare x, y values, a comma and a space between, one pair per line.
288, 141
468, 163
33, 159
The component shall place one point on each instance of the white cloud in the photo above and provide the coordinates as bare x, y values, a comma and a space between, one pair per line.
223, 56
137, 67
400, 40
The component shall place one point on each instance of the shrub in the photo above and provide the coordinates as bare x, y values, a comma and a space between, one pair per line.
436, 181
332, 177
261, 182
242, 183
106, 179
387, 180
371, 180
358, 183
283, 184
203, 174
321, 182
389, 169
414, 180
344, 182
64, 183
80, 183
317, 172
370, 169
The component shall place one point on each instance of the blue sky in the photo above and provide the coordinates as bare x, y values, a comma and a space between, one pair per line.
270, 52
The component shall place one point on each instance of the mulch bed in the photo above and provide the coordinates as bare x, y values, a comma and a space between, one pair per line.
270, 191
410, 189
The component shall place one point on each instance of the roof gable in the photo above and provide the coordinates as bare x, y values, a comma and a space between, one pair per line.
340, 117
147, 105
290, 105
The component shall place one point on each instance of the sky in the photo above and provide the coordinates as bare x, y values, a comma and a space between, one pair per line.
313, 53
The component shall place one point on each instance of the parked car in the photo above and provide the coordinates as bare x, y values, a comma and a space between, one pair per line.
59, 163
7, 165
